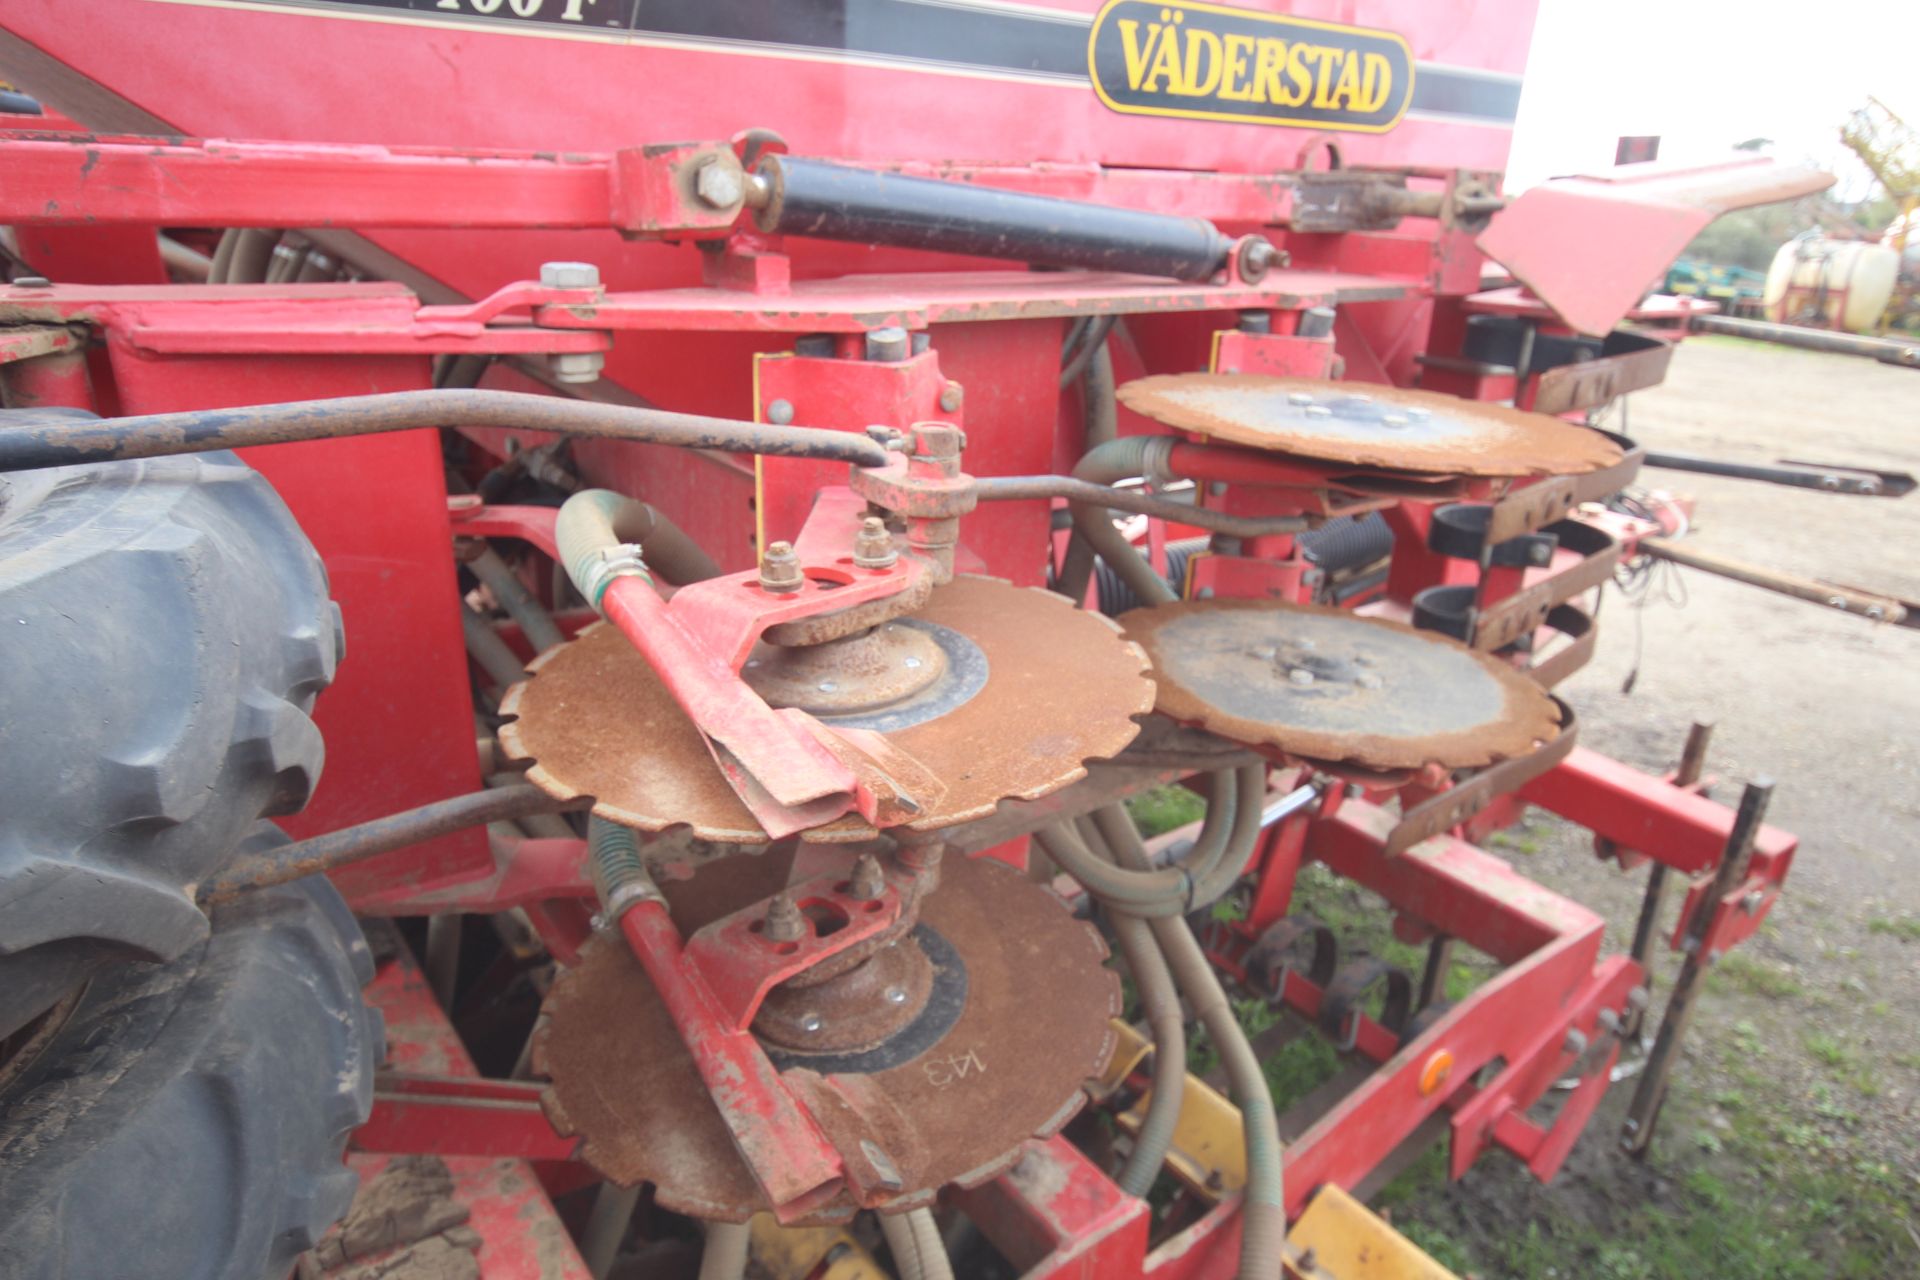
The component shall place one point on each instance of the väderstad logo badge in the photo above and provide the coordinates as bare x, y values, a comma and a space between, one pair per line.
1209, 62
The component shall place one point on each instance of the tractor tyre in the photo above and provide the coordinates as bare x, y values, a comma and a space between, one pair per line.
187, 1121
166, 628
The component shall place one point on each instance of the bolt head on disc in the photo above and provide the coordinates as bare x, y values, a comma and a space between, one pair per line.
1010, 1066
1043, 688
1370, 426
1326, 684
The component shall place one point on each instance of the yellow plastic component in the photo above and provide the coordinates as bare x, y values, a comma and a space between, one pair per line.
810, 1253
1209, 1150
1345, 1240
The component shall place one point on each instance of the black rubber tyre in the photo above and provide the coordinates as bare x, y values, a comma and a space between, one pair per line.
187, 1121
166, 628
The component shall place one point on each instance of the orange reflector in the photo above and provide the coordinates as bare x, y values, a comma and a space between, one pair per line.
1435, 1073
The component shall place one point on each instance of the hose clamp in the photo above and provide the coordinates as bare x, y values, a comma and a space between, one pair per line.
626, 896
622, 560
1156, 459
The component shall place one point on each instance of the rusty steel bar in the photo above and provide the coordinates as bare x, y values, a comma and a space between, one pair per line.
1865, 604
382, 835
29, 442
1137, 501
1888, 350
1644, 1111
1693, 762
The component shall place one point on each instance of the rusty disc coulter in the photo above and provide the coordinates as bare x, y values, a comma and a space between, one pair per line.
998, 691
1327, 685
984, 1058
1370, 426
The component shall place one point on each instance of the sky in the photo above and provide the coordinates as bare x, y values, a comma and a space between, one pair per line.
1705, 74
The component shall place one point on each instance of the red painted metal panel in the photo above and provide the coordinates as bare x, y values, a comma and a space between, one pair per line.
398, 720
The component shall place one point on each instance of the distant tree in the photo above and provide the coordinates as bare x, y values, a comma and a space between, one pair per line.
1750, 237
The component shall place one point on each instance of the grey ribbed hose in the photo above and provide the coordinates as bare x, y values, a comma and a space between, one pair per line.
725, 1254
1161, 1002
485, 647
934, 1264
1162, 890
902, 1244
535, 623
1263, 1213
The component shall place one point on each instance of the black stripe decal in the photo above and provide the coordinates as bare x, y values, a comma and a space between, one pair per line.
933, 32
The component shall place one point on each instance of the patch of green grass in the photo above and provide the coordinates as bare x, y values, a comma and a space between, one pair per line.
1905, 928
1827, 1050
1737, 971
1162, 809
1757, 1196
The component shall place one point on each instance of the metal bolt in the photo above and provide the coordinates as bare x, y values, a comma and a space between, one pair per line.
911, 664
810, 1022
1608, 1021
1751, 903
784, 923
1206, 593
896, 995
1299, 397
1576, 1041
780, 568
922, 342
573, 367
1869, 487
1368, 680
1876, 613
1300, 676
1360, 397
1265, 651
780, 413
1638, 998
868, 880
1225, 546
596, 922
873, 545
1319, 411
1829, 483
950, 398
1393, 419
1540, 553
818, 346
1418, 414
1216, 488
890, 344
827, 686
569, 275
1256, 322
1838, 602
720, 182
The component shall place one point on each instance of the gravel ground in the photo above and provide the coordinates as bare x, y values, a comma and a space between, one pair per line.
1806, 1054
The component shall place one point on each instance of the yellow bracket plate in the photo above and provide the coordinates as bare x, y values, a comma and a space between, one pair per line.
1350, 1242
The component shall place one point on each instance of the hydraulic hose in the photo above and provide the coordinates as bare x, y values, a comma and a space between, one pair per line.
535, 623
725, 1254
1160, 891
1161, 1002
32, 441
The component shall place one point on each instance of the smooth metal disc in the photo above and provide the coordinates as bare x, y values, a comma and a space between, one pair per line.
1061, 687
1326, 684
1370, 426
1032, 1028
